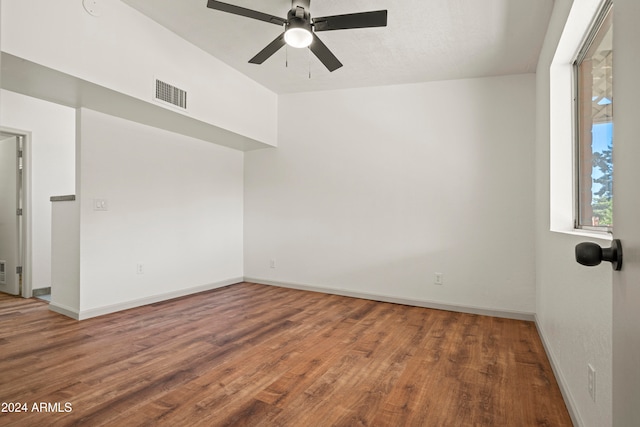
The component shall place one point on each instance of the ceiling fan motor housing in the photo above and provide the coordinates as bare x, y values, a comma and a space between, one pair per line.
298, 28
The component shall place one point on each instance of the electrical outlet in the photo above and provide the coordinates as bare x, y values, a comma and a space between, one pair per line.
272, 263
139, 269
438, 279
591, 381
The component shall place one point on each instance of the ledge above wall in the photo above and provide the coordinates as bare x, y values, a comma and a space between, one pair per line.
31, 79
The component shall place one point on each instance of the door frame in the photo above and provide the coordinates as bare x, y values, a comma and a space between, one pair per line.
27, 286
626, 208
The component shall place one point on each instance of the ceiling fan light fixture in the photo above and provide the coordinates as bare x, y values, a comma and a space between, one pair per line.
298, 34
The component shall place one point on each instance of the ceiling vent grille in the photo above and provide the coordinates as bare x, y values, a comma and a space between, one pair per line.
171, 94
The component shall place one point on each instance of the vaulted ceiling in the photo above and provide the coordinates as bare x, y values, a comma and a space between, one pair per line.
424, 40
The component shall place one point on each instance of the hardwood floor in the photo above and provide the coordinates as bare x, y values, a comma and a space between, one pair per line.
254, 355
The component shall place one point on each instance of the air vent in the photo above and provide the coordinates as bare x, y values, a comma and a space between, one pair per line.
171, 94
3, 277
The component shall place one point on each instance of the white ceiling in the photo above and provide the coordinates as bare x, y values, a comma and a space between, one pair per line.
424, 40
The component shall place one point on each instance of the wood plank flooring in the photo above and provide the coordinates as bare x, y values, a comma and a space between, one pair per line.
254, 355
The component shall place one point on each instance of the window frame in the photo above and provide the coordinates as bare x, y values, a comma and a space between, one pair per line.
593, 33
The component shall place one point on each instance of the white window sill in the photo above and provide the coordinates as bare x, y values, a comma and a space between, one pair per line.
601, 235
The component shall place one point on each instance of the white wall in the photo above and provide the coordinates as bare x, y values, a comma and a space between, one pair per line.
51, 167
125, 51
374, 190
65, 258
175, 205
573, 303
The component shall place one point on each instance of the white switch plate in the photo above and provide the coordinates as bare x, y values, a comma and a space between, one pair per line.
100, 205
438, 280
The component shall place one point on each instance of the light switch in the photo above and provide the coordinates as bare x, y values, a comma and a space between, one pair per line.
100, 205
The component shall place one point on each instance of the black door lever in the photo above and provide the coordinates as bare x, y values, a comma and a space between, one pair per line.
591, 254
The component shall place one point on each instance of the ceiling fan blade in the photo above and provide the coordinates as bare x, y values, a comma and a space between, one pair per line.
376, 18
237, 10
271, 48
324, 54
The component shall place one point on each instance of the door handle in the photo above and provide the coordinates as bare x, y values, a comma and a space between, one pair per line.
591, 254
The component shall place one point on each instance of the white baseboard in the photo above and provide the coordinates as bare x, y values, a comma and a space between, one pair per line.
63, 309
507, 314
99, 311
562, 382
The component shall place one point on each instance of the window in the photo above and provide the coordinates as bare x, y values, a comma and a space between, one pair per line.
594, 126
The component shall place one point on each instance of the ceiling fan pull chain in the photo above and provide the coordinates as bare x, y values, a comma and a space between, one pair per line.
286, 56
309, 61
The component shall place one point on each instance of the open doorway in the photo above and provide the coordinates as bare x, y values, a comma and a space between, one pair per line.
49, 164
12, 224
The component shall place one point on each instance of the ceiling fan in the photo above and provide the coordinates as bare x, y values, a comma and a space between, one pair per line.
300, 28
